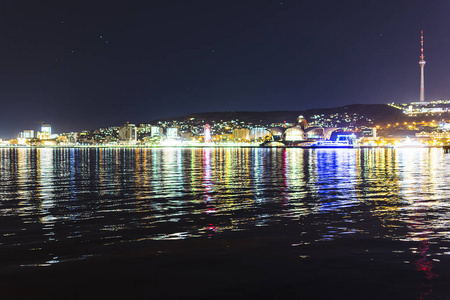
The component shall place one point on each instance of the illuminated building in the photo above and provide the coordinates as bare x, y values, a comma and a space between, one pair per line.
46, 128
172, 133
300, 132
128, 133
296, 133
69, 138
319, 133
27, 134
276, 132
368, 133
293, 134
43, 135
156, 131
422, 65
241, 134
259, 133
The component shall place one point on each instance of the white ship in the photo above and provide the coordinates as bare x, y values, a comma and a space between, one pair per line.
342, 141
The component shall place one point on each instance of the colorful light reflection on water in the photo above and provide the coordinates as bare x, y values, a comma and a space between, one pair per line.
67, 204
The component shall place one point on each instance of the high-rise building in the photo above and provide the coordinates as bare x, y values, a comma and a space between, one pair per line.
45, 133
128, 133
172, 133
46, 128
422, 65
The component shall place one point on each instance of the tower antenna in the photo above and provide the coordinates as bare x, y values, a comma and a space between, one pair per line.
422, 65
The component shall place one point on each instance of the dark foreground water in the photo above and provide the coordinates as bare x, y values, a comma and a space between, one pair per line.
225, 223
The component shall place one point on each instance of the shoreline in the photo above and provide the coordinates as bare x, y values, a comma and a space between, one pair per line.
222, 146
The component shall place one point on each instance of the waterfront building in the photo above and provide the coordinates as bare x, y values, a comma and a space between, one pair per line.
156, 131
43, 135
68, 138
319, 133
296, 133
259, 133
300, 132
26, 134
128, 133
241, 134
369, 132
276, 133
172, 133
46, 128
293, 134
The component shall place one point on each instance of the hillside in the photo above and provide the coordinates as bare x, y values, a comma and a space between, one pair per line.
379, 113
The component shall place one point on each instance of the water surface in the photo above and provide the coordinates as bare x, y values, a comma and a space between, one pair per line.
65, 205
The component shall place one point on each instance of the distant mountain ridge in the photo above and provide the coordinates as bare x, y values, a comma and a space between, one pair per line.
379, 113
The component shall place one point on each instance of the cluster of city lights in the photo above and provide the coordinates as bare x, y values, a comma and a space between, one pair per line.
194, 132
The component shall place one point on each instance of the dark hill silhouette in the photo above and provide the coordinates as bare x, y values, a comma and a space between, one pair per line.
379, 113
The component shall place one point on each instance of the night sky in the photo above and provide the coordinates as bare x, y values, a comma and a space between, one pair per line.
88, 64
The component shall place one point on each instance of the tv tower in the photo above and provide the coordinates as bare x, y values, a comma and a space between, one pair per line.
422, 64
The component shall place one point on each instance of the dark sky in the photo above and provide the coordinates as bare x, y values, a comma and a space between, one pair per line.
89, 64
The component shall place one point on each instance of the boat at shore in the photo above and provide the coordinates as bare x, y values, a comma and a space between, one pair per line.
342, 141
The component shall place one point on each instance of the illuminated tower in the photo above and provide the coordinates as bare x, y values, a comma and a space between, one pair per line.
422, 64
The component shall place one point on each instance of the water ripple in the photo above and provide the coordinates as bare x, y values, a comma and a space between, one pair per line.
77, 202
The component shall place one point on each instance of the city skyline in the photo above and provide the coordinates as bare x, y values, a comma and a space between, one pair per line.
92, 65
